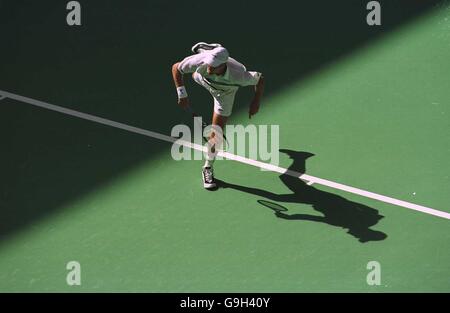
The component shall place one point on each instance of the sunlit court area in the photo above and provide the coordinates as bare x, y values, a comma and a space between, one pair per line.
346, 188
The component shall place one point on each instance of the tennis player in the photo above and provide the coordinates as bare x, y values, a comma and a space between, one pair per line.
213, 68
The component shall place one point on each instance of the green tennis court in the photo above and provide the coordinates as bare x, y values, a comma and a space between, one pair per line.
357, 105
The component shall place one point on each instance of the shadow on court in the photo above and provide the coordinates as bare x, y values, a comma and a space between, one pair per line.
331, 209
117, 65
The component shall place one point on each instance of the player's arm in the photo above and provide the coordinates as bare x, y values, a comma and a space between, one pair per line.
183, 99
259, 90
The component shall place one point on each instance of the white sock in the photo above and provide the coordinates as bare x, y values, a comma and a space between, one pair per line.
210, 157
208, 163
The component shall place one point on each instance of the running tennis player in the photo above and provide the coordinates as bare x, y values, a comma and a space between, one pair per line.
213, 68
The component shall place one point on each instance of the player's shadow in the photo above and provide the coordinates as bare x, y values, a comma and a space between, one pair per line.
334, 210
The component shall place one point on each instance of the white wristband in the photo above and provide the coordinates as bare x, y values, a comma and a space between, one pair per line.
181, 91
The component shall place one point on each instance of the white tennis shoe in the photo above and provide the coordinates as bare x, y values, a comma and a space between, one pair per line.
208, 178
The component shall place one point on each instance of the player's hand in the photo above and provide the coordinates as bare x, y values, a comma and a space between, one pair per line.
183, 103
254, 108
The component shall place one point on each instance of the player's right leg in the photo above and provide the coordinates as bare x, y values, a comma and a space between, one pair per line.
223, 106
218, 125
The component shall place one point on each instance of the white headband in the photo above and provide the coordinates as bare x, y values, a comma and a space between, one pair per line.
216, 56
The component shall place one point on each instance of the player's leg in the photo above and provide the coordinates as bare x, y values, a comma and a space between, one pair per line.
215, 137
218, 124
223, 106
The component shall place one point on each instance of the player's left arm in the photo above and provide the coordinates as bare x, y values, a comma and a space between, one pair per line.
259, 90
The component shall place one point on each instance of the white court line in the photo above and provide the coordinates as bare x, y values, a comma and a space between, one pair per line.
310, 179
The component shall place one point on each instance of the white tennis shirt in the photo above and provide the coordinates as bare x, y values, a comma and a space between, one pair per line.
235, 76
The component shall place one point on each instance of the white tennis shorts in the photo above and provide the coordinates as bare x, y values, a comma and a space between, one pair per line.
223, 99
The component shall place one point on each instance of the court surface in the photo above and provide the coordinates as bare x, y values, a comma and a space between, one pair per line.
357, 106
